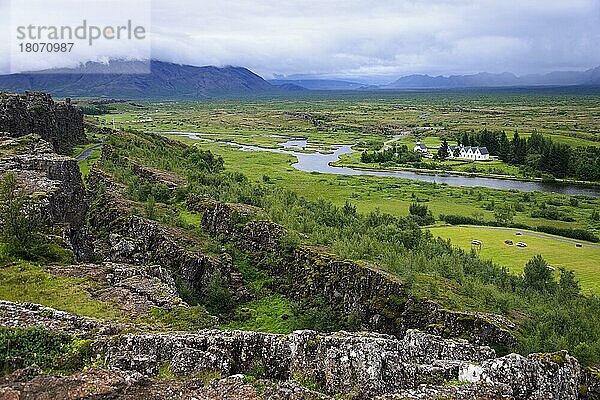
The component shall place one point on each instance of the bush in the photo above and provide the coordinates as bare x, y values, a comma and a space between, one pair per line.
579, 234
504, 214
421, 214
37, 347
552, 213
217, 298
537, 276
319, 317
461, 220
21, 227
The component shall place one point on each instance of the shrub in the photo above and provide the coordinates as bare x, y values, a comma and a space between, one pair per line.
421, 214
579, 234
461, 220
38, 347
504, 214
552, 213
217, 298
537, 276
319, 317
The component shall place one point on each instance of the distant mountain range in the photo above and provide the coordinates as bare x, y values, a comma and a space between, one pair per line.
590, 77
318, 84
120, 79
123, 79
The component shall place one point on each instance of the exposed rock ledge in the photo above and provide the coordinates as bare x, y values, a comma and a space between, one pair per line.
355, 365
55, 181
35, 315
61, 124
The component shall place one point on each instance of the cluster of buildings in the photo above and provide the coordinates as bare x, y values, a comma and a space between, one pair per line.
473, 153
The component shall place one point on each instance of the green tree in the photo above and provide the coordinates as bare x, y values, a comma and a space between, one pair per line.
504, 214
537, 275
349, 209
421, 214
568, 285
217, 298
444, 150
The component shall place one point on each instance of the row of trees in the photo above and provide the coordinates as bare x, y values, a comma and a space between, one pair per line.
539, 153
397, 154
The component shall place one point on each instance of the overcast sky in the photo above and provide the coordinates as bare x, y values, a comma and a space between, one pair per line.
350, 38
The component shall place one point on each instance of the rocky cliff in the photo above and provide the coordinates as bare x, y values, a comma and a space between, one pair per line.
60, 124
127, 238
379, 298
55, 182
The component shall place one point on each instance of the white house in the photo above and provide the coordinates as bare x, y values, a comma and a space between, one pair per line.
420, 147
470, 153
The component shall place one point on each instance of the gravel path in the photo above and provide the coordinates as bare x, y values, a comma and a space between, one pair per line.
86, 153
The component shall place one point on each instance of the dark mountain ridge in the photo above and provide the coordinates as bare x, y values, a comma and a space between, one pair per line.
123, 79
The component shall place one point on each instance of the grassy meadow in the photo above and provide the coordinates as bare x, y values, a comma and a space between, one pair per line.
370, 121
584, 261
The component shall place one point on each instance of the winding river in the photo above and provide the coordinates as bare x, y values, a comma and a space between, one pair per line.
315, 161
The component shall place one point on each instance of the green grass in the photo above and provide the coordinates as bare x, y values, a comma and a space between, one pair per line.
394, 195
432, 142
567, 115
270, 314
86, 165
190, 218
33, 284
189, 319
585, 261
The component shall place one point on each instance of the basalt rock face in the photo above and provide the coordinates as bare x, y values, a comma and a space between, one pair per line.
359, 366
562, 375
352, 365
127, 238
55, 181
304, 273
60, 124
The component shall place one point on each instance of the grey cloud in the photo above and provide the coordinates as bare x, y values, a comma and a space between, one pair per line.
353, 38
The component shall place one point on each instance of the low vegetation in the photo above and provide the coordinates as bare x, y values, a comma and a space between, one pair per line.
397, 244
23, 234
47, 351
